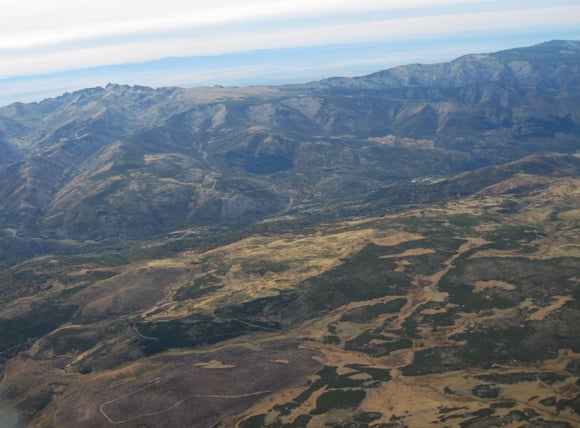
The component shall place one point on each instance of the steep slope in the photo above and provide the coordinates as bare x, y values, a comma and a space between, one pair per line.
50, 139
552, 63
122, 162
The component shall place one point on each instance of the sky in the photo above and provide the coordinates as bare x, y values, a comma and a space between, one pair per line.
47, 46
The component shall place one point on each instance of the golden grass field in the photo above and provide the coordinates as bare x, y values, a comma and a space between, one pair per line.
413, 356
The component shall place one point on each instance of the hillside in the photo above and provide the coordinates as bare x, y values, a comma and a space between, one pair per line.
394, 250
127, 162
469, 304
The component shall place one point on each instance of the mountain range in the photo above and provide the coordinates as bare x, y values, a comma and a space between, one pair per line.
124, 162
359, 241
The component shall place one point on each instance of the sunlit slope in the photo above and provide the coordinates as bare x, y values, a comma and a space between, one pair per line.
460, 313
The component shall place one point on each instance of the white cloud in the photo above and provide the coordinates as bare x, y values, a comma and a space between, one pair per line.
245, 38
39, 36
32, 23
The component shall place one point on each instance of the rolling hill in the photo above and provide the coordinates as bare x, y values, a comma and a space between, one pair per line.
394, 250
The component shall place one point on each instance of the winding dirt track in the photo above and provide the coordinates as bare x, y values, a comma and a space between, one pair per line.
173, 406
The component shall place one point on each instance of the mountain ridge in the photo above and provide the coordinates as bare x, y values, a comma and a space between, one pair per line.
510, 65
249, 153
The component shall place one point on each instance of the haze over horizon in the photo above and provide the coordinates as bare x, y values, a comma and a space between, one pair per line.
184, 44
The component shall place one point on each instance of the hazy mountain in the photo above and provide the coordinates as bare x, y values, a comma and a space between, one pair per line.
130, 161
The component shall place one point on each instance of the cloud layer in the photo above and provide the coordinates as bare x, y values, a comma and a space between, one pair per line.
50, 47
44, 37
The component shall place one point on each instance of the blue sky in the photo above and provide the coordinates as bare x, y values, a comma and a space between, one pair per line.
49, 47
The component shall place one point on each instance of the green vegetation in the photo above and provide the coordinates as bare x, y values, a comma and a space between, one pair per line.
261, 267
509, 378
441, 319
301, 421
184, 334
331, 339
266, 164
367, 417
257, 421
201, 287
31, 325
338, 399
464, 220
485, 391
65, 294
435, 360
69, 340
376, 345
487, 418
551, 378
376, 373
194, 292
530, 276
367, 314
573, 404
446, 317
410, 327
548, 401
33, 405
286, 408
262, 307
573, 367
499, 346
364, 276
327, 377
513, 238
470, 301
503, 405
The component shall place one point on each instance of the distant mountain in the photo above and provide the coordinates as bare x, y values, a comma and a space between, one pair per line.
127, 162
552, 65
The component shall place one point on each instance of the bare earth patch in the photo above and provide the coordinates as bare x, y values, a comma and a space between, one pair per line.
409, 253
214, 364
396, 238
183, 392
482, 285
547, 310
